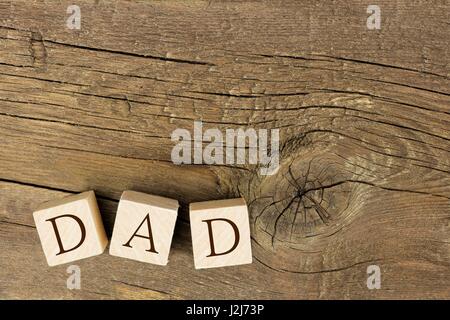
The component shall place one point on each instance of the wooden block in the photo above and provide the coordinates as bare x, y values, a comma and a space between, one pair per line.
70, 228
144, 227
220, 233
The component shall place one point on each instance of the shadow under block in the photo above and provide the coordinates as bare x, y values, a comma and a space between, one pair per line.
220, 233
70, 228
144, 227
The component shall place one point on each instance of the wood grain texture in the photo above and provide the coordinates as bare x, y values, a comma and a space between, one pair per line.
364, 121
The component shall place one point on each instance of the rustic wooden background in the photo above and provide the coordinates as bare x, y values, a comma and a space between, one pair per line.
363, 115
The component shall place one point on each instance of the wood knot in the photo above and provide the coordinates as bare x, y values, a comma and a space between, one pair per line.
308, 199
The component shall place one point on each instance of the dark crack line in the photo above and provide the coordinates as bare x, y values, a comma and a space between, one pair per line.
76, 125
250, 96
278, 218
378, 64
320, 271
265, 208
129, 54
141, 287
28, 184
335, 269
17, 224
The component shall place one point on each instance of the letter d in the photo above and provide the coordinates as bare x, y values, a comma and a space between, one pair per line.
58, 236
211, 238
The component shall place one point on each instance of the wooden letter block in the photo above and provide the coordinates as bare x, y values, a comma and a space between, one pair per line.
70, 228
220, 233
144, 227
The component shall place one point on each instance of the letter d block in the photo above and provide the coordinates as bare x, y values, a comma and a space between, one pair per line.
144, 227
70, 228
220, 233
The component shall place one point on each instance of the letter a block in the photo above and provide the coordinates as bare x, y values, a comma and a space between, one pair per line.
220, 233
144, 227
70, 228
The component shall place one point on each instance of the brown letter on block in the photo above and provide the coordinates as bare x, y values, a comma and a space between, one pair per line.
70, 228
220, 233
137, 209
211, 238
58, 237
149, 237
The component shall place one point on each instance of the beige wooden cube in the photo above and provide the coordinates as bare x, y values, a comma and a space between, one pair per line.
144, 227
70, 228
220, 233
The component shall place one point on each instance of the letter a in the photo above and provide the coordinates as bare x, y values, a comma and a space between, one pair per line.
149, 237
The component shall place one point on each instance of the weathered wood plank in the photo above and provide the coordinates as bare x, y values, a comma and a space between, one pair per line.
363, 118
